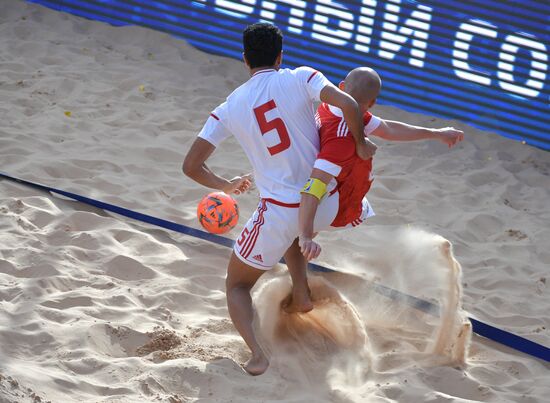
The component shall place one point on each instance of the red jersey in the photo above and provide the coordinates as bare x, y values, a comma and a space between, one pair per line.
338, 158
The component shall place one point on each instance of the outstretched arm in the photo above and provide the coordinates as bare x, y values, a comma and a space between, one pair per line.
308, 209
398, 131
194, 166
334, 96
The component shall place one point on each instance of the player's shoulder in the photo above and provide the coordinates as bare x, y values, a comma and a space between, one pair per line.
328, 112
236, 95
233, 100
304, 70
302, 73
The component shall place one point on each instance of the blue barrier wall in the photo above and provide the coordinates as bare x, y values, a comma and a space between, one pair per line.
483, 62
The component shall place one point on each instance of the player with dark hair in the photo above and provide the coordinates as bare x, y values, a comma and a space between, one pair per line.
272, 117
262, 44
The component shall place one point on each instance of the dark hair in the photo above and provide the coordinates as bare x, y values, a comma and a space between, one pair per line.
262, 44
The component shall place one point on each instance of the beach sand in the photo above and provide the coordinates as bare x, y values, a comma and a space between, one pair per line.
98, 308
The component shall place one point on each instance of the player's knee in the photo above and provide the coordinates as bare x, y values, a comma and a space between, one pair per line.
232, 286
235, 283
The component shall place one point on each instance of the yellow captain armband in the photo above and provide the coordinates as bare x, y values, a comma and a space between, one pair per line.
315, 187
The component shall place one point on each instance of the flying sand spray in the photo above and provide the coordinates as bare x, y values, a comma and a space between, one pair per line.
353, 331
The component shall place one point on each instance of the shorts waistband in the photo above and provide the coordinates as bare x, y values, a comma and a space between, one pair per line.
279, 203
290, 205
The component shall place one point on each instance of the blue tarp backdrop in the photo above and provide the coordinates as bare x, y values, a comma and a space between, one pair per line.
482, 62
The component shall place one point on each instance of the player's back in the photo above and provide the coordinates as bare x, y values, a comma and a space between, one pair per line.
272, 117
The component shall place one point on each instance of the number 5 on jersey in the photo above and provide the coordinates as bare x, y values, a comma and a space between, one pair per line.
277, 124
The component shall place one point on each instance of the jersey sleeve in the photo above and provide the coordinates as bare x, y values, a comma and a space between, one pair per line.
371, 123
327, 166
214, 130
313, 80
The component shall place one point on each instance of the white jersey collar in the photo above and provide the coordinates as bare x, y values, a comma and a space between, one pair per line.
262, 71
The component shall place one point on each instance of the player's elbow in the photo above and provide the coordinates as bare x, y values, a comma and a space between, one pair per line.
195, 158
189, 167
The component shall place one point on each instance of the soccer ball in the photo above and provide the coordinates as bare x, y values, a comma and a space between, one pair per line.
218, 213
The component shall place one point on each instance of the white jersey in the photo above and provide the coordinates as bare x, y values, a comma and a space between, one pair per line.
272, 116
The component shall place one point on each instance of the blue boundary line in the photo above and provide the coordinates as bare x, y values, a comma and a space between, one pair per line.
483, 329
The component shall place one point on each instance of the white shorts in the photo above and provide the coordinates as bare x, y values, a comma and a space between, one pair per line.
273, 227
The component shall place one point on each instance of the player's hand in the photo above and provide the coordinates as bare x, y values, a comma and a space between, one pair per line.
238, 185
450, 136
366, 149
309, 248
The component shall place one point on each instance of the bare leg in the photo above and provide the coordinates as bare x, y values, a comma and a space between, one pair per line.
300, 300
240, 280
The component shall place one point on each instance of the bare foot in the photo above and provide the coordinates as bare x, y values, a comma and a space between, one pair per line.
256, 365
297, 305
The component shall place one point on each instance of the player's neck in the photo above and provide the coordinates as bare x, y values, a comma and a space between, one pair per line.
258, 69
